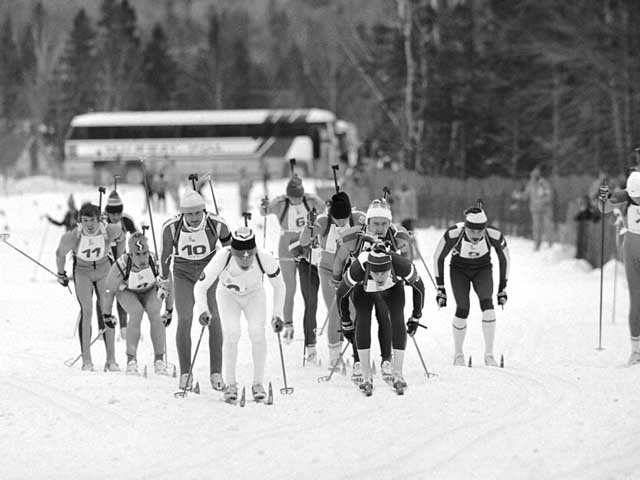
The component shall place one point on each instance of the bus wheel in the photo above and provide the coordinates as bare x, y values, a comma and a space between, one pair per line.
134, 175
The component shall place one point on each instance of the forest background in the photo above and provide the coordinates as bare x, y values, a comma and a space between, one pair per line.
450, 87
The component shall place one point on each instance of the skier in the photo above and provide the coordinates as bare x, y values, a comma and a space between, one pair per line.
70, 219
327, 231
133, 280
380, 276
628, 201
115, 216
291, 210
239, 270
378, 228
89, 241
190, 238
470, 245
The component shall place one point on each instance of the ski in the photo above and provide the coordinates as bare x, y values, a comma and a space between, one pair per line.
398, 387
500, 365
366, 388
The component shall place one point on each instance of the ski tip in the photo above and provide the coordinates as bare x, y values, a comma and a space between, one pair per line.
144, 373
196, 389
175, 373
242, 397
270, 395
501, 361
470, 361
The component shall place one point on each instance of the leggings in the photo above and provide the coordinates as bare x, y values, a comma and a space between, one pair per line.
232, 305
184, 301
393, 300
136, 304
461, 281
309, 284
329, 295
631, 249
88, 279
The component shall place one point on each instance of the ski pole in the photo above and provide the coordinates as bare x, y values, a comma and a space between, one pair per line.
415, 246
193, 178
4, 236
335, 178
292, 166
101, 191
213, 195
334, 367
285, 390
265, 189
601, 274
326, 320
424, 365
183, 393
71, 361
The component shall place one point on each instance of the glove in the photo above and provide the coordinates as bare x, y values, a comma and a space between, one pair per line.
441, 297
264, 206
277, 324
348, 329
412, 326
502, 297
204, 318
63, 279
603, 193
162, 293
109, 320
311, 217
167, 316
335, 282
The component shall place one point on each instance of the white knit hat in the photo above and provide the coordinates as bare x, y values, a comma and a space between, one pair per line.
191, 202
633, 184
379, 208
475, 219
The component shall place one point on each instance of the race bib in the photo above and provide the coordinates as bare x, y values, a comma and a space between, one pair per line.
193, 245
91, 248
633, 219
142, 280
296, 218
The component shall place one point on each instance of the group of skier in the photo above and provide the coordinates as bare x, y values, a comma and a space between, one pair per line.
360, 260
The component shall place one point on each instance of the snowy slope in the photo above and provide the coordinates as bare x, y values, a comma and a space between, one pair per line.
560, 409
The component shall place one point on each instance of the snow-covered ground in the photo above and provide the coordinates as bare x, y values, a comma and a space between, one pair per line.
560, 409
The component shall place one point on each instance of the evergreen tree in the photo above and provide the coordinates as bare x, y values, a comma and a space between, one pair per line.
10, 78
159, 71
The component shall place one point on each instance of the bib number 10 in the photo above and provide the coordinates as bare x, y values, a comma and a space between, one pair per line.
192, 250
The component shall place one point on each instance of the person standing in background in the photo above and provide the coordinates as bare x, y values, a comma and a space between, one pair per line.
540, 195
70, 219
405, 206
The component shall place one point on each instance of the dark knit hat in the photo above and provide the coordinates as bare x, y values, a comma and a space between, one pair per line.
114, 203
243, 239
294, 187
340, 205
89, 210
379, 261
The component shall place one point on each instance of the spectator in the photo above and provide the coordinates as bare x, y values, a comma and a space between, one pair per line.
405, 206
70, 219
586, 213
540, 196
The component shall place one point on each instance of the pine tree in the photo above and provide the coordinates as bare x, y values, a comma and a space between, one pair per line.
10, 78
159, 71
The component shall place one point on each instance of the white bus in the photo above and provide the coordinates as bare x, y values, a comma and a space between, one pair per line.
102, 144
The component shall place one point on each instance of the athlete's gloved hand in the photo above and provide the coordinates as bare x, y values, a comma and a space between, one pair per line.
603, 193
502, 297
109, 320
63, 279
264, 206
412, 326
335, 282
167, 316
277, 324
348, 329
163, 287
205, 318
441, 297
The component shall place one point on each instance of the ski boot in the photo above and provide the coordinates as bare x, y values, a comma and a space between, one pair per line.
160, 368
111, 367
216, 382
257, 390
87, 366
231, 393
311, 357
458, 360
186, 382
132, 368
367, 387
399, 384
489, 360
287, 333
